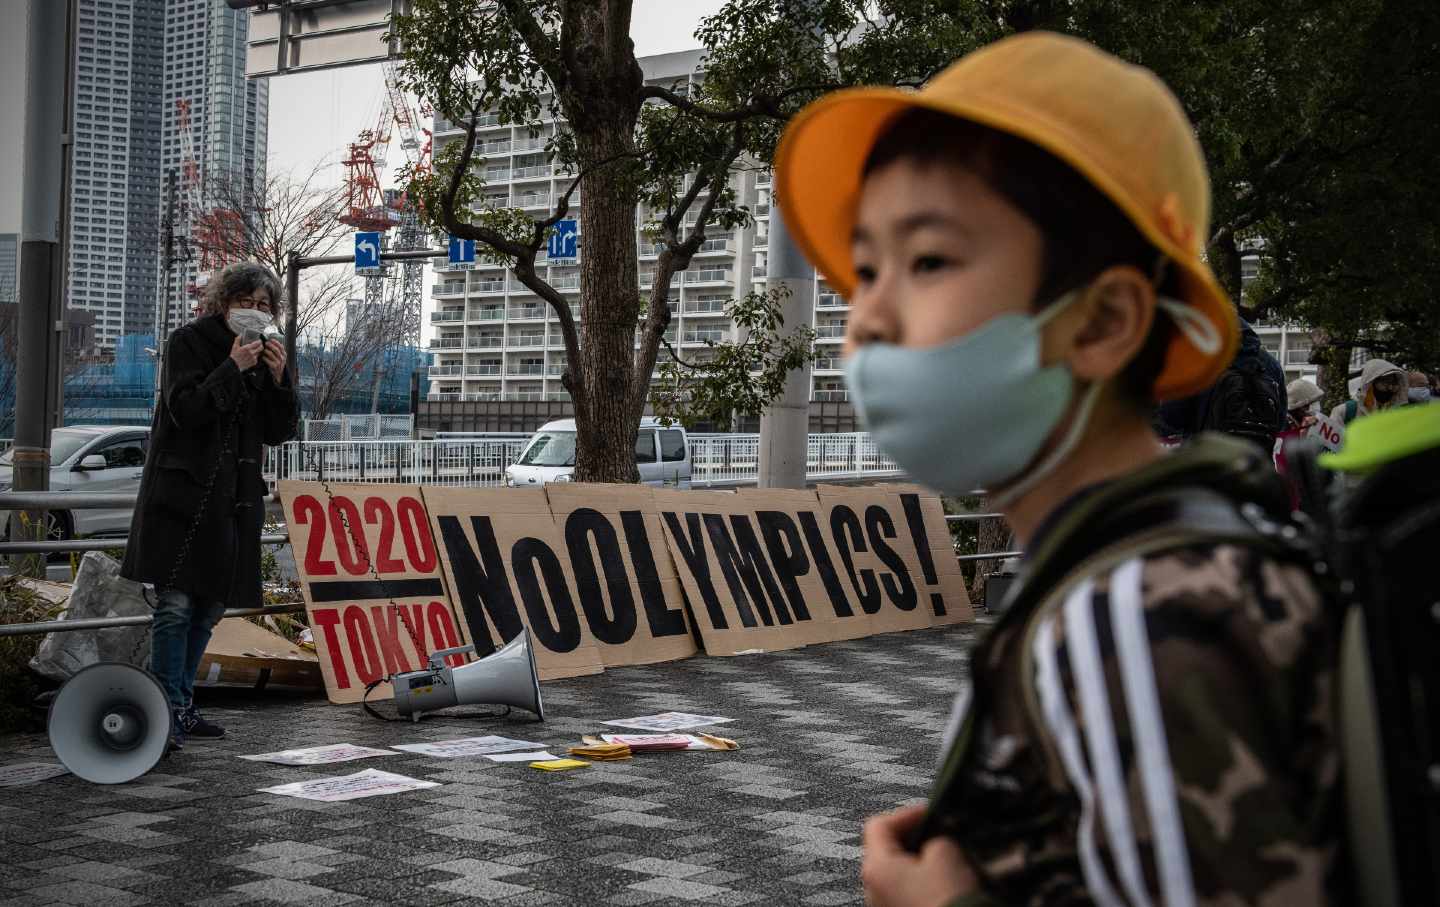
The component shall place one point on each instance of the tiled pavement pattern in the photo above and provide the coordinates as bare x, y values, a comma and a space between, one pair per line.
829, 734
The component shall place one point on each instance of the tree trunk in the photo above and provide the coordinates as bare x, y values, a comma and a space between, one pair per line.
1225, 256
1334, 373
610, 305
991, 535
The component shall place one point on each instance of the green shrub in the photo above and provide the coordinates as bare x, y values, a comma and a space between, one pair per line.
18, 684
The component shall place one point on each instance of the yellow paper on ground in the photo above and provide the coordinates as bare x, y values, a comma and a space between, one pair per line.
559, 765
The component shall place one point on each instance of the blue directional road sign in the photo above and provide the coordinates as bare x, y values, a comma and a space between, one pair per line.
565, 241
367, 253
462, 253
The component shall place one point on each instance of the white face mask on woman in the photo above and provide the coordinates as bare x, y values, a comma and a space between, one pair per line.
242, 320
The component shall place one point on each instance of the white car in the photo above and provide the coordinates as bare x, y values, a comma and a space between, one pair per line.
95, 459
662, 453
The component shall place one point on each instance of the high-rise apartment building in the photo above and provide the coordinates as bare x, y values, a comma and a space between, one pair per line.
114, 206
494, 339
9, 267
229, 119
134, 59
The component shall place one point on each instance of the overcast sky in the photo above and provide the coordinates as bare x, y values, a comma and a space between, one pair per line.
314, 116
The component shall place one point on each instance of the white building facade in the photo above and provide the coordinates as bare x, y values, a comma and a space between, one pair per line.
495, 340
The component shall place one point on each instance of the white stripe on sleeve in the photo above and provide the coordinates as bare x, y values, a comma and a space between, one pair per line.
1090, 683
1056, 709
1127, 617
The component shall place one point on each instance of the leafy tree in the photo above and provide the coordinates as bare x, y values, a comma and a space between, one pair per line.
628, 144
1320, 120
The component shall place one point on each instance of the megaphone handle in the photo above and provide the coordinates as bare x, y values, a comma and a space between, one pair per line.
440, 655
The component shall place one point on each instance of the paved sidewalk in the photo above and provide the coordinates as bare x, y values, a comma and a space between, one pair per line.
829, 734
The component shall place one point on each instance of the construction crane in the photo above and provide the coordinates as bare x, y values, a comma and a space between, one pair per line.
390, 212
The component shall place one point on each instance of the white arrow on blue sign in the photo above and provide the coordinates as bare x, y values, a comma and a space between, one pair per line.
462, 251
367, 253
565, 241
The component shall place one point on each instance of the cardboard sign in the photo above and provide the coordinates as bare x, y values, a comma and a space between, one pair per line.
625, 583
360, 636
1331, 432
606, 575
507, 565
767, 570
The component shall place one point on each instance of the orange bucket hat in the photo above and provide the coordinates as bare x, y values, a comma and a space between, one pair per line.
1114, 123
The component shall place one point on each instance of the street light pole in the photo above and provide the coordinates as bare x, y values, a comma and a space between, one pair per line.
38, 389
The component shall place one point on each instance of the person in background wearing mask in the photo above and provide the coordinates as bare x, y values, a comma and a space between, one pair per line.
196, 532
1302, 405
1419, 388
1021, 243
1382, 386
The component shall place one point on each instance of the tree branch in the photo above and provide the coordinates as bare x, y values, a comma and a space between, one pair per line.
545, 49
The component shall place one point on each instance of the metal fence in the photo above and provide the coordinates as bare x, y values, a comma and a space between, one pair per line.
358, 427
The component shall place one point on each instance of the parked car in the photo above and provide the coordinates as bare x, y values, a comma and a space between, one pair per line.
662, 453
95, 459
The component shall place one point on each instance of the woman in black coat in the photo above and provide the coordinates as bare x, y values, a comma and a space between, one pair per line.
196, 532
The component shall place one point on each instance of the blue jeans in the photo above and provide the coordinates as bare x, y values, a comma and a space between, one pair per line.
178, 637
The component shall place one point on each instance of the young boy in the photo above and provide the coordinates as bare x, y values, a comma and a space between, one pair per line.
1021, 244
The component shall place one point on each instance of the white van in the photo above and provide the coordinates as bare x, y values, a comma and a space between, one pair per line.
662, 453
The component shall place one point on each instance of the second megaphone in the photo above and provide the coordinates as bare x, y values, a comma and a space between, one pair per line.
504, 677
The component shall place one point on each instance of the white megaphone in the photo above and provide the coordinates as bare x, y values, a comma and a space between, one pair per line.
110, 723
506, 676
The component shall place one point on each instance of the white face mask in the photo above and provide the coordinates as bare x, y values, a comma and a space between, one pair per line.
241, 320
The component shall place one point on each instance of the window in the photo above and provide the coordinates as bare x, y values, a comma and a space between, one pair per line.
121, 454
645, 447
672, 445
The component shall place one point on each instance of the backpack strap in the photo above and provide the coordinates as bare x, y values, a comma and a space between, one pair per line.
1352, 409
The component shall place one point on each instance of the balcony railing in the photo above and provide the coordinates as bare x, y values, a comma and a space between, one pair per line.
1298, 357
830, 331
705, 307
831, 395
528, 339
452, 288
759, 270
566, 283
496, 174
447, 343
524, 369
762, 240
716, 245
540, 200
488, 286
709, 275
532, 144
763, 178
481, 370
486, 342
444, 370
522, 312
443, 315
830, 301
496, 147
529, 172
487, 314
762, 209
706, 336
647, 279
827, 365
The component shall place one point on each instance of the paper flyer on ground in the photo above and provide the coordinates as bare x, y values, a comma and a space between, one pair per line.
639, 741
369, 783
22, 773
522, 757
469, 746
668, 721
319, 755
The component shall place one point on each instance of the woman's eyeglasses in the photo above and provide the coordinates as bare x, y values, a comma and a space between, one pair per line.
250, 302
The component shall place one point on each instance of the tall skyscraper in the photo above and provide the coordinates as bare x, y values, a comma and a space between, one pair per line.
134, 60
114, 208
228, 118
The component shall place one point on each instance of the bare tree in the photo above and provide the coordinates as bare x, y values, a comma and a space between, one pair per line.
344, 349
289, 213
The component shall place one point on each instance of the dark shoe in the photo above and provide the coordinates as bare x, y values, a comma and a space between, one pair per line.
194, 727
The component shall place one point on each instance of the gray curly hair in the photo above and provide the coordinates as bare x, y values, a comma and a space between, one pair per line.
240, 280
